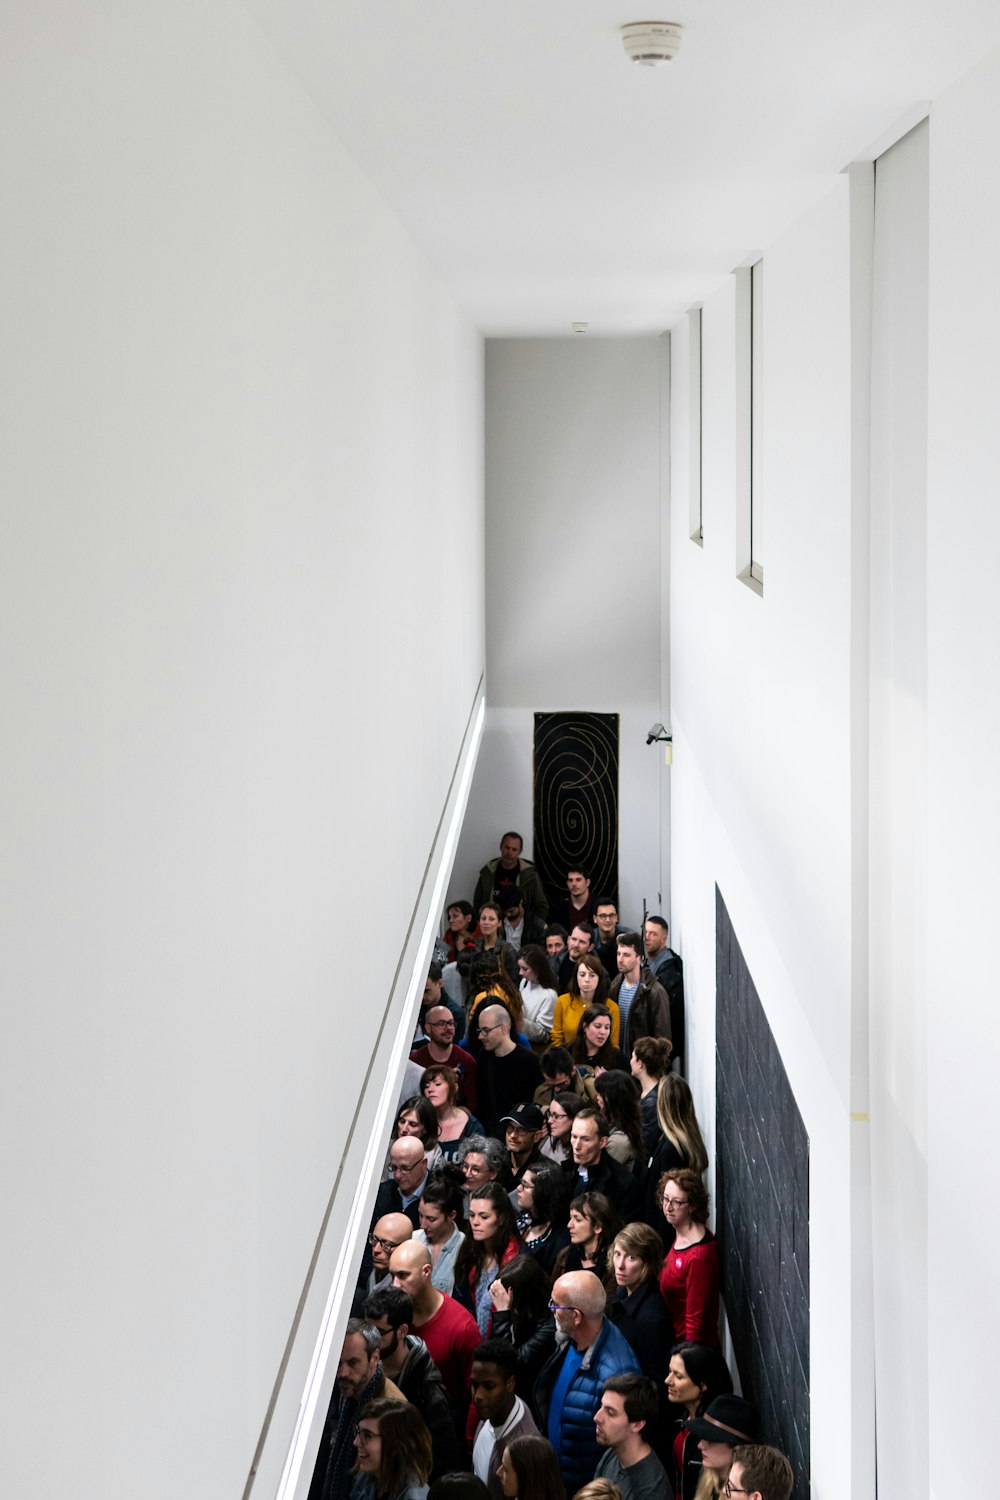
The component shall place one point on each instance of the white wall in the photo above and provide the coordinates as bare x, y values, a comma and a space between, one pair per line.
573, 583
761, 705
963, 730
834, 769
242, 613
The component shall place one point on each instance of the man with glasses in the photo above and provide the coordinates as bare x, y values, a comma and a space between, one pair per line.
407, 1175
360, 1379
570, 1385
389, 1232
507, 1074
440, 1047
759, 1472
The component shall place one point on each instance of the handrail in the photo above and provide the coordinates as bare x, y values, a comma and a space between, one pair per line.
423, 917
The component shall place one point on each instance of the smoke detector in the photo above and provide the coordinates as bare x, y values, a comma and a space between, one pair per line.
652, 42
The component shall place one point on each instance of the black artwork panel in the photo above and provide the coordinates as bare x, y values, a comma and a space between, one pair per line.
576, 800
762, 1185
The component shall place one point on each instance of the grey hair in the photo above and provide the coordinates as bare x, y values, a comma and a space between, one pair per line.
483, 1145
368, 1331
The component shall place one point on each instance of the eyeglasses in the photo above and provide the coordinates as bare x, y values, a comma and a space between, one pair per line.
365, 1436
396, 1171
561, 1307
669, 1202
731, 1489
389, 1245
485, 1030
441, 1025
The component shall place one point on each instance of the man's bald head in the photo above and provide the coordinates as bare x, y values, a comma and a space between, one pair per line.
439, 1015
410, 1269
583, 1291
391, 1230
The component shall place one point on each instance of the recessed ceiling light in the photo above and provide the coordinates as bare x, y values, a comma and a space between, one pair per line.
579, 327
651, 42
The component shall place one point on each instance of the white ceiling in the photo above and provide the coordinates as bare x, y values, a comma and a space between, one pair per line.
550, 179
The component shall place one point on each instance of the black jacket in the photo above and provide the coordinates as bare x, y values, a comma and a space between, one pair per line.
616, 1182
421, 1384
644, 1320
532, 1351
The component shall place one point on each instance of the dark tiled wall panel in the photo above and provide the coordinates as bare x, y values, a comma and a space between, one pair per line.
762, 1211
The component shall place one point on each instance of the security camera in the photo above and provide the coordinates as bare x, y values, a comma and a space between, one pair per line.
656, 733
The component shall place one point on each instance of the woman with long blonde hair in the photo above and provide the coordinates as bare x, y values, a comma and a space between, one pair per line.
680, 1145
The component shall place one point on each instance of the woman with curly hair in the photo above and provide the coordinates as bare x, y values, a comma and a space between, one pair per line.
689, 1280
543, 1208
393, 1445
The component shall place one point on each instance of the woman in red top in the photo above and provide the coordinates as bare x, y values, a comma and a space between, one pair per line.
689, 1280
491, 1242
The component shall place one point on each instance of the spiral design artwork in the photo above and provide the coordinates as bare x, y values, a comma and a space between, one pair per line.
576, 800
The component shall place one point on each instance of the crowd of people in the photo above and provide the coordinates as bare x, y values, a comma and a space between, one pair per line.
537, 1313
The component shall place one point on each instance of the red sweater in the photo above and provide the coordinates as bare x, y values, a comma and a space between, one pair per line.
689, 1282
451, 1336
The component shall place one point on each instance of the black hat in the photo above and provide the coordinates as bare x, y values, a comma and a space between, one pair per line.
528, 1116
728, 1419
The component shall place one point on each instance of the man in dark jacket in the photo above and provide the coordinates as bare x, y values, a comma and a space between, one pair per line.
510, 871
570, 1384
641, 999
406, 1361
668, 969
594, 1171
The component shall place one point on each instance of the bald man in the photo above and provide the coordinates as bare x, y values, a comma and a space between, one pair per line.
391, 1231
571, 1383
407, 1175
508, 1074
450, 1333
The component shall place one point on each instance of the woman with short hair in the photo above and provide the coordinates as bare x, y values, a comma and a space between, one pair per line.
416, 1116
439, 1085
638, 1310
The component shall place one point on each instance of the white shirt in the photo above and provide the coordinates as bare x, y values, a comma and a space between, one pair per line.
489, 1436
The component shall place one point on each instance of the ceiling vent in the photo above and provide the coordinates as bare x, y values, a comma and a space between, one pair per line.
651, 42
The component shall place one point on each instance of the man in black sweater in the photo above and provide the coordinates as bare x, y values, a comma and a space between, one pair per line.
506, 1073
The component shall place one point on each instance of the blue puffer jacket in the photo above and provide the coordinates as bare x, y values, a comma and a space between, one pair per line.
577, 1449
